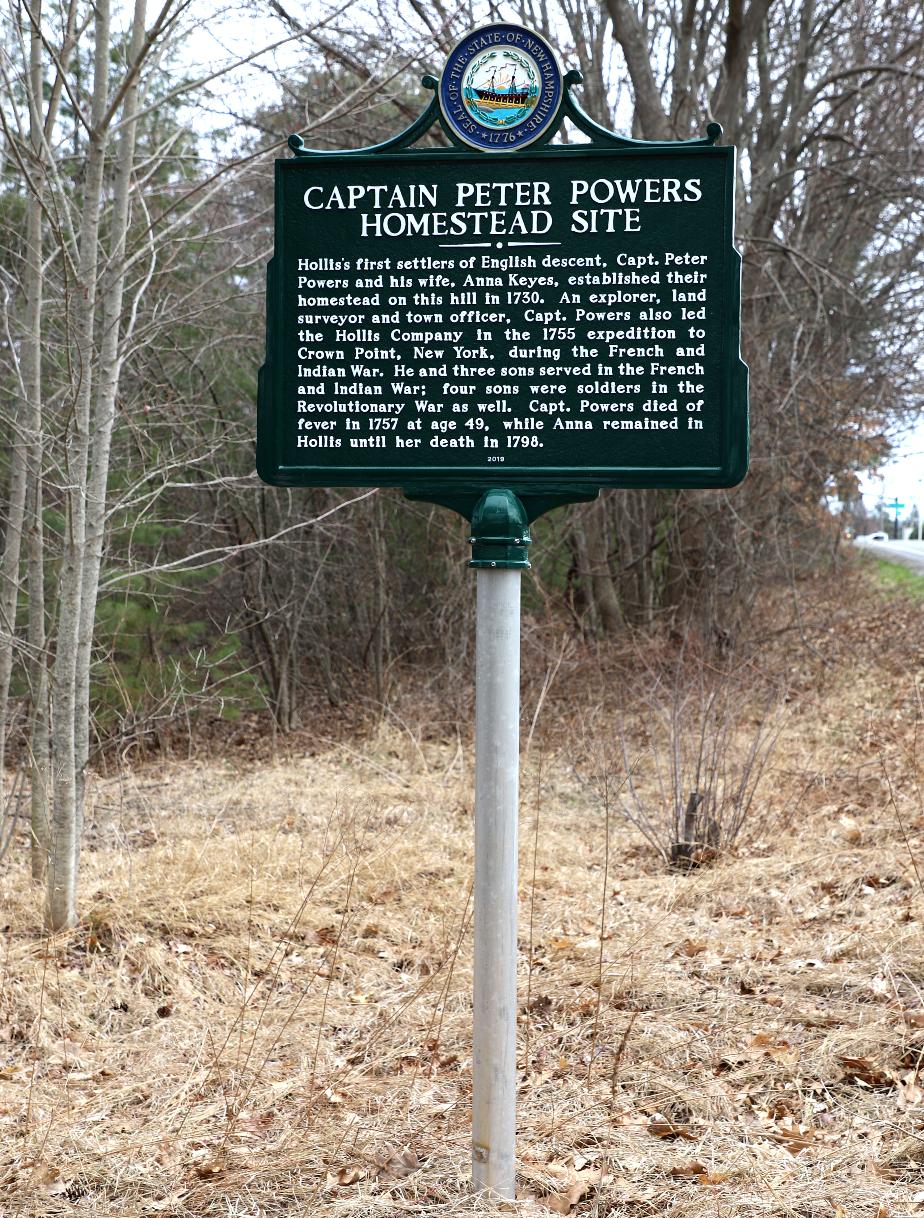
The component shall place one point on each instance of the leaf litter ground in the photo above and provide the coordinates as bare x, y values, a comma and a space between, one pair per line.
266, 1009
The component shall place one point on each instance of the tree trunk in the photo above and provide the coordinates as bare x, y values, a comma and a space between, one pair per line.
9, 577
632, 37
40, 768
26, 432
593, 573
598, 555
66, 819
38, 662
104, 404
32, 391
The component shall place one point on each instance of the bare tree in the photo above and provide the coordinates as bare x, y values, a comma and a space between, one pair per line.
82, 261
825, 102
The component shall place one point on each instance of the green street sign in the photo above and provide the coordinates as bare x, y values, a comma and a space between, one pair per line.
553, 320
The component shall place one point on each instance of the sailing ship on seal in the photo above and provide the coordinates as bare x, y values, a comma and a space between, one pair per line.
501, 88
501, 93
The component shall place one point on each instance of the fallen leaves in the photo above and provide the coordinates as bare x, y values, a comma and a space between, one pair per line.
209, 1170
573, 948
850, 830
47, 1177
777, 1049
794, 1135
660, 1127
691, 947
910, 1092
395, 1164
252, 1125
863, 1071
207, 1162
571, 1186
385, 1166
582, 1183
702, 1174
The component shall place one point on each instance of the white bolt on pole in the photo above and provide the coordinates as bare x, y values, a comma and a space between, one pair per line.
497, 761
499, 547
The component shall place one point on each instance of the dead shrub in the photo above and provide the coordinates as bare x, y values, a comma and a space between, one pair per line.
695, 763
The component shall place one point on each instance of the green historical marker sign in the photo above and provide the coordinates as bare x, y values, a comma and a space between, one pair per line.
500, 327
554, 320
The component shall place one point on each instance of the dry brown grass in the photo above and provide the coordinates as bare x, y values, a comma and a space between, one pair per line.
267, 1008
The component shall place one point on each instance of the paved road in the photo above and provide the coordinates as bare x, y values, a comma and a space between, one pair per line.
908, 553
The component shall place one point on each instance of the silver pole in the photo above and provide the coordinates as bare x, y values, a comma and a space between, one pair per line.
497, 762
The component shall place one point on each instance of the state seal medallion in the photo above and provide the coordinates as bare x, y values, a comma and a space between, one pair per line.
501, 88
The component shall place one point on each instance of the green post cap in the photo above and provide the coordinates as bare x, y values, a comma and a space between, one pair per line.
500, 532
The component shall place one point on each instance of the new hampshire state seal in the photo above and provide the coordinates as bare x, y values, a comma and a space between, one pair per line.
501, 88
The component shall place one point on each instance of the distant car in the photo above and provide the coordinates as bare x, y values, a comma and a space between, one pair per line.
877, 537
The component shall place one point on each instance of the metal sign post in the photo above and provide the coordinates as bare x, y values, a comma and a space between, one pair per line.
500, 536
896, 507
502, 326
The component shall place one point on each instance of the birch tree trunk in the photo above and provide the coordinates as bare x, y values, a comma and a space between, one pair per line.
32, 394
66, 820
104, 403
9, 570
